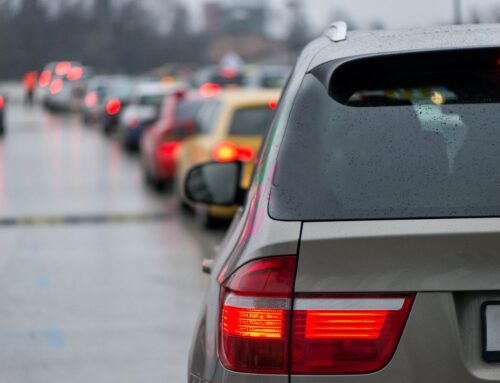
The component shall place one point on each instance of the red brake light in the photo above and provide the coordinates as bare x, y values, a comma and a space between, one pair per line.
2, 102
273, 104
75, 73
329, 334
346, 335
209, 89
56, 86
245, 154
45, 78
168, 151
255, 316
63, 68
91, 99
229, 152
225, 152
113, 106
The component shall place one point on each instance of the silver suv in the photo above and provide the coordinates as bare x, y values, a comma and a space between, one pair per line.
368, 247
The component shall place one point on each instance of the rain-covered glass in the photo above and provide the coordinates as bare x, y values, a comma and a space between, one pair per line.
392, 145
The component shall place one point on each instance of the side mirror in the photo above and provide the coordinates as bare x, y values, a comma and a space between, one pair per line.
215, 183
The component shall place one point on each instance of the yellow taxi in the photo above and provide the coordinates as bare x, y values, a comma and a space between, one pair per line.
231, 127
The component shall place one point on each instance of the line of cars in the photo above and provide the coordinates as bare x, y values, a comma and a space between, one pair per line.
366, 245
219, 114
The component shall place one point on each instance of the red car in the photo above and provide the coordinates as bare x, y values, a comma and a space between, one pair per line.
159, 146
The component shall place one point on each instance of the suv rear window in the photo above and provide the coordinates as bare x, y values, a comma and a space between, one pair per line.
409, 136
252, 121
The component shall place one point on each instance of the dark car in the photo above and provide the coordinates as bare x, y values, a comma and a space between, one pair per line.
367, 248
119, 92
95, 96
142, 111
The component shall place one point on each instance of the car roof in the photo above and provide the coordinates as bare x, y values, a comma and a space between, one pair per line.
247, 96
360, 43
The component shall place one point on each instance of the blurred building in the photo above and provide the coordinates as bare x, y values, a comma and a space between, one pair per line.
241, 29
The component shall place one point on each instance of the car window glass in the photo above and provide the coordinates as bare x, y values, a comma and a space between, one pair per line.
251, 121
425, 146
208, 116
187, 110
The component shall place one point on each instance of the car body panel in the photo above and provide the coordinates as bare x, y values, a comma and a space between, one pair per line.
407, 40
403, 255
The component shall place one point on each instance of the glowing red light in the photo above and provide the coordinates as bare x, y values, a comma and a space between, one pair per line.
254, 323
209, 89
63, 68
168, 150
225, 152
75, 74
255, 317
228, 152
245, 153
2, 102
56, 86
45, 78
344, 324
346, 336
273, 104
113, 107
91, 99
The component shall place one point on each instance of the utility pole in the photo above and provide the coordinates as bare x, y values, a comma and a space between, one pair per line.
457, 11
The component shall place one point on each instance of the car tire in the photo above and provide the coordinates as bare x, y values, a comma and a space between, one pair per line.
154, 184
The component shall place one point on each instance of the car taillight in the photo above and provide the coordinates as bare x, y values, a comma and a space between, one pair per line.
346, 335
255, 316
113, 106
273, 104
75, 73
323, 334
45, 78
210, 89
2, 102
229, 152
167, 151
91, 99
63, 68
56, 86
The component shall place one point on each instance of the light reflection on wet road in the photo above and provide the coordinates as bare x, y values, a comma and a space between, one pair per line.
93, 302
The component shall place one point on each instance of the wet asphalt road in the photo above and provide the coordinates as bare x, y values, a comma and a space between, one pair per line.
105, 301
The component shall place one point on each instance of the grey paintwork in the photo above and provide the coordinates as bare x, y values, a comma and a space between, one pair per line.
446, 262
409, 255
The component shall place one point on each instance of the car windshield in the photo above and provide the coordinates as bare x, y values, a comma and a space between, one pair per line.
392, 145
251, 121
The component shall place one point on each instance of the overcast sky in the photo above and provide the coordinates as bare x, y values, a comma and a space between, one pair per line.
393, 13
